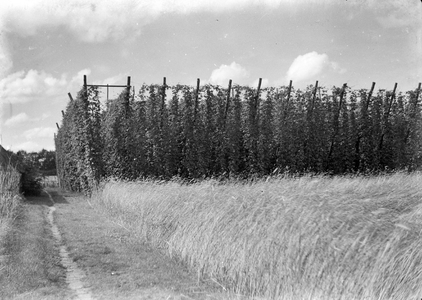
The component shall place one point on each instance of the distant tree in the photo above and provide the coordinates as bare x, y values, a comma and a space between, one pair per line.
47, 162
31, 177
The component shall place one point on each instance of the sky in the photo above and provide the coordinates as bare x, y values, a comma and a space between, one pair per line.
46, 46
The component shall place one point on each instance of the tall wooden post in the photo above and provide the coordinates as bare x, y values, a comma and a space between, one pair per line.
258, 90
163, 102
386, 115
85, 89
418, 93
413, 113
314, 96
368, 100
127, 96
343, 90
336, 122
289, 91
227, 102
195, 111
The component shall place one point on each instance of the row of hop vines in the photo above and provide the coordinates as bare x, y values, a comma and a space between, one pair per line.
193, 133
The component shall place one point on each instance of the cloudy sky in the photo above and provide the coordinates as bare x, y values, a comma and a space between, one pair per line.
47, 46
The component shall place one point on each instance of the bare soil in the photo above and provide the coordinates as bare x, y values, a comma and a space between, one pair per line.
109, 261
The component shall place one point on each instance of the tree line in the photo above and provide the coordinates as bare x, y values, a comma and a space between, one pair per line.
210, 131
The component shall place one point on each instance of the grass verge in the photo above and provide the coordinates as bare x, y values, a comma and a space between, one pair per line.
118, 265
285, 238
31, 267
9, 193
9, 204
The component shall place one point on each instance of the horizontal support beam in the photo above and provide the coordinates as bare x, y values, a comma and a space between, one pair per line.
107, 85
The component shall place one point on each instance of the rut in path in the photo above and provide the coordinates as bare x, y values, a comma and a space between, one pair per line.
74, 275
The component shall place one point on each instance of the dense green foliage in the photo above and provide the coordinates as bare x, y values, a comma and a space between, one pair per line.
43, 161
30, 181
244, 132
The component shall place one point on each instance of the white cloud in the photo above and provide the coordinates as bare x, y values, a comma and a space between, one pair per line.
310, 65
101, 20
336, 67
16, 120
119, 79
25, 87
39, 132
6, 62
224, 73
30, 146
77, 81
21, 87
43, 117
264, 83
398, 13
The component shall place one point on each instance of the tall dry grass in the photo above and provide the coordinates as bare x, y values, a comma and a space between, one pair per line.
9, 191
9, 198
285, 238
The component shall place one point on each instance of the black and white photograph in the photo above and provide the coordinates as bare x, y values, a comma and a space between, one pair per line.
211, 150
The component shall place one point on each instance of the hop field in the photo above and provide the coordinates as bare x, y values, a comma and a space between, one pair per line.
284, 238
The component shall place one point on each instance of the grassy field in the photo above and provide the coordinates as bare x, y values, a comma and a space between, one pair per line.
284, 238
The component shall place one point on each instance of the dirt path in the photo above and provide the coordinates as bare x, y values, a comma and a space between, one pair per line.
91, 257
31, 266
74, 275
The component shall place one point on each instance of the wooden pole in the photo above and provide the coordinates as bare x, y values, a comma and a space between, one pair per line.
314, 96
128, 90
315, 90
257, 95
417, 93
370, 95
62, 113
163, 100
228, 99
198, 81
163, 93
386, 115
336, 122
85, 88
127, 97
289, 91
106, 85
70, 96
413, 114
128, 83
393, 95
360, 131
58, 127
257, 102
227, 102
343, 90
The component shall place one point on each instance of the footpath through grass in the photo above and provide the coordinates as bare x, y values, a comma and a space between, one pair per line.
30, 268
285, 238
117, 264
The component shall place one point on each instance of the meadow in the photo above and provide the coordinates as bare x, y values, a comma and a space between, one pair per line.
308, 237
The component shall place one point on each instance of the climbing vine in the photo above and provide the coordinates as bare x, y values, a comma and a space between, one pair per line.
211, 131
